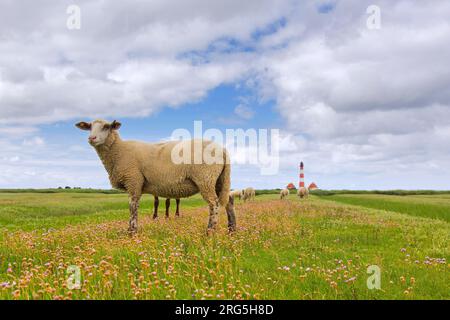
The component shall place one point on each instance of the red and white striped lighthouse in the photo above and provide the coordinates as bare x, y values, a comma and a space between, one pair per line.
302, 176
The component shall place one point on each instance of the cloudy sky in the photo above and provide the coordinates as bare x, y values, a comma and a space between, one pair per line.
364, 108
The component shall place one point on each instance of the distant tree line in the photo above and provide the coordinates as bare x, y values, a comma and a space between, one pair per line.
385, 192
317, 192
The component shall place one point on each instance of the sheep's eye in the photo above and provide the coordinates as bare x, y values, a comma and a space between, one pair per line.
106, 127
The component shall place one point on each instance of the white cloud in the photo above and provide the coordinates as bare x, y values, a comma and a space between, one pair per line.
244, 112
33, 142
128, 59
362, 107
399, 66
17, 131
372, 106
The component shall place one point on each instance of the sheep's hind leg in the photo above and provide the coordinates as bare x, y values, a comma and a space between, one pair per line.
155, 210
134, 206
231, 215
209, 195
167, 207
213, 204
213, 215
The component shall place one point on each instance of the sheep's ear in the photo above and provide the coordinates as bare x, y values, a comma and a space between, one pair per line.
84, 125
115, 125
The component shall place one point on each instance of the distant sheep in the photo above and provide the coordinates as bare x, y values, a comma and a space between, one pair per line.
248, 194
303, 192
156, 204
236, 193
139, 168
284, 193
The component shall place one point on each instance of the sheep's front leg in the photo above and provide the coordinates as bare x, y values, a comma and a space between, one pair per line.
134, 206
231, 215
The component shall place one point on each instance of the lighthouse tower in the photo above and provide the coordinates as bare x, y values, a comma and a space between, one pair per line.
302, 176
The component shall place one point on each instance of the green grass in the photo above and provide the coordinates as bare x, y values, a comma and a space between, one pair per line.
309, 249
58, 190
437, 206
29, 211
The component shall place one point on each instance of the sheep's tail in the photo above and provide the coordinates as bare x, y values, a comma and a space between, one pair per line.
223, 183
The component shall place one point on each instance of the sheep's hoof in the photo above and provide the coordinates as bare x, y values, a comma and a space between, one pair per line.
155, 217
210, 231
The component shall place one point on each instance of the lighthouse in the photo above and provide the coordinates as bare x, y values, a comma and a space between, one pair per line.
302, 191
302, 176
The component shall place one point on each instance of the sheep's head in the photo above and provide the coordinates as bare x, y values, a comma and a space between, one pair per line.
99, 130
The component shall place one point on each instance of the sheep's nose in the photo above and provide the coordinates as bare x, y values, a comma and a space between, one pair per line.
92, 138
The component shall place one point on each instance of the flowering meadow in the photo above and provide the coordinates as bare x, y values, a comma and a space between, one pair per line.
292, 249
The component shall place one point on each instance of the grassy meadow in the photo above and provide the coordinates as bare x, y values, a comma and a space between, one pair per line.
430, 206
318, 248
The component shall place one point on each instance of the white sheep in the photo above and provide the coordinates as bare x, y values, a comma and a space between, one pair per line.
248, 194
139, 168
236, 193
303, 192
284, 193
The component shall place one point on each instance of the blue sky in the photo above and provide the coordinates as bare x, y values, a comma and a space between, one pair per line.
343, 96
215, 110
